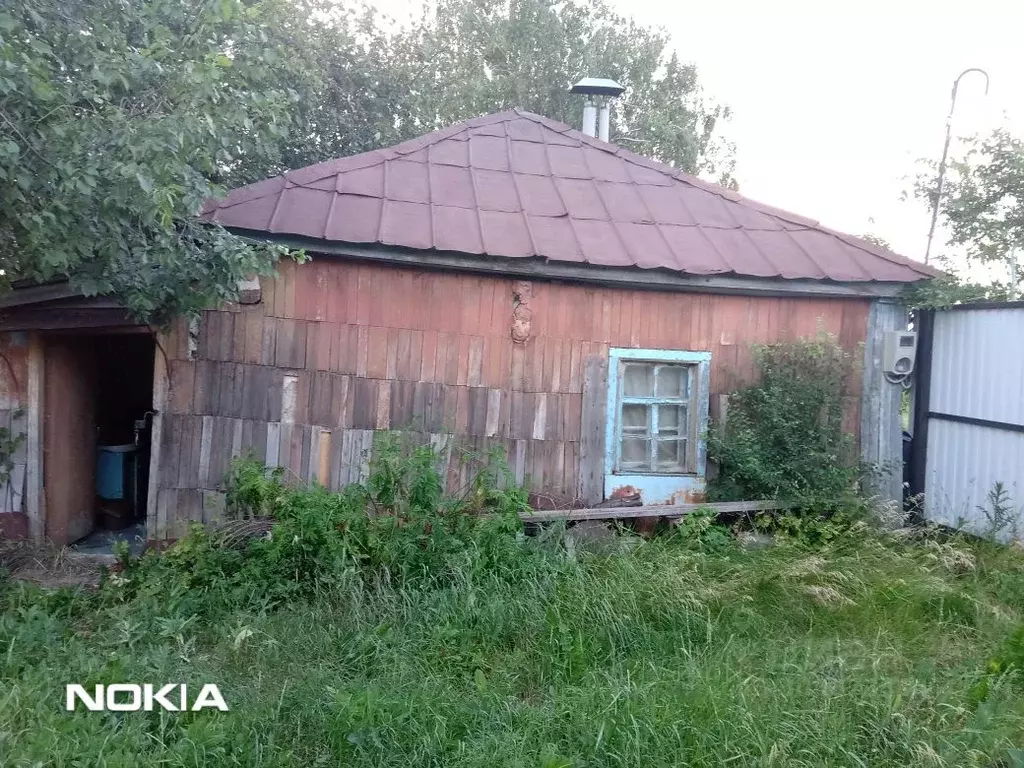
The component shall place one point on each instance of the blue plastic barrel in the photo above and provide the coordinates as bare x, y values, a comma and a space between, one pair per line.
113, 463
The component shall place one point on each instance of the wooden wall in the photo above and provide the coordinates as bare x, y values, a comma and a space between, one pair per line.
375, 347
13, 387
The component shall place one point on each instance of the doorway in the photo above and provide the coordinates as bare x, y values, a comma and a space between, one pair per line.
97, 419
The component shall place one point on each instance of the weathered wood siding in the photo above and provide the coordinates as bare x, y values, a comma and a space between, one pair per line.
339, 349
13, 387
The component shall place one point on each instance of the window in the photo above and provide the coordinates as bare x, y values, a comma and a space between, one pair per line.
658, 403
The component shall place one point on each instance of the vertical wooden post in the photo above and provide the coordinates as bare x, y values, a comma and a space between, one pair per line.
35, 504
881, 430
155, 522
592, 442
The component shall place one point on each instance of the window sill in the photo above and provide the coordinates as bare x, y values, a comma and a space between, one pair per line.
633, 473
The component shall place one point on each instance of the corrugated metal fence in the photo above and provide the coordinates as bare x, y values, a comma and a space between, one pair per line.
970, 418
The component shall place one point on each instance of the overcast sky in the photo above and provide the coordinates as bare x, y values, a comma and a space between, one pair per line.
833, 107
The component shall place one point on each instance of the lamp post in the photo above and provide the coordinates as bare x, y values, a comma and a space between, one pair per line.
945, 154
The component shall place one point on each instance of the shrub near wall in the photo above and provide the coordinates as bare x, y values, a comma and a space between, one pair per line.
783, 437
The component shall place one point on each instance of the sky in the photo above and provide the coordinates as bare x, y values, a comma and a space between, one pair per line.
833, 104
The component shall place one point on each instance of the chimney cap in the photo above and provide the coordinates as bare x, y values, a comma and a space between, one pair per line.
598, 86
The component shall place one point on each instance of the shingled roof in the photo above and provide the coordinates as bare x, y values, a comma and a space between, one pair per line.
519, 185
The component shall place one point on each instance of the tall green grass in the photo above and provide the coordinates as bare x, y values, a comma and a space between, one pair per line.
869, 651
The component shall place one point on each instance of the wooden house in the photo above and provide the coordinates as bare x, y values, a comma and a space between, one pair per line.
507, 282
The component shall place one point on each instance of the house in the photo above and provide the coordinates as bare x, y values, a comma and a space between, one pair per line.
506, 282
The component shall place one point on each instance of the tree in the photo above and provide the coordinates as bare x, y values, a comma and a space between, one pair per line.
481, 56
983, 209
361, 87
120, 117
117, 116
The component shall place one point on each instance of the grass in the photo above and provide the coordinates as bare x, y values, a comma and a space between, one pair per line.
866, 652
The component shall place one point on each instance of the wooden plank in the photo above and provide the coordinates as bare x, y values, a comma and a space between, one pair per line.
346, 401
182, 434
228, 379
205, 448
271, 388
493, 412
227, 335
33, 439
365, 455
195, 453
383, 408
166, 508
516, 407
364, 402
336, 482
429, 356
214, 505
321, 399
402, 367
273, 449
475, 373
268, 342
376, 366
391, 360
345, 473
311, 453
665, 510
434, 421
253, 339
291, 344
400, 404
237, 430
209, 332
289, 398
592, 429
477, 411
323, 473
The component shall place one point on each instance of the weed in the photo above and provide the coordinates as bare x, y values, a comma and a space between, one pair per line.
999, 510
388, 626
700, 529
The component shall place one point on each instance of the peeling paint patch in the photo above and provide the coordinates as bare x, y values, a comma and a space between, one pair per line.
656, 489
623, 492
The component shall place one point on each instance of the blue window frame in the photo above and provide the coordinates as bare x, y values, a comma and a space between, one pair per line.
657, 412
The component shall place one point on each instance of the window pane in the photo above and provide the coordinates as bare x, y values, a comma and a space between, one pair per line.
636, 453
672, 420
673, 381
638, 380
671, 455
636, 418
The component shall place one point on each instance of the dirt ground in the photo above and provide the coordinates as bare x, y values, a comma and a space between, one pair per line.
51, 567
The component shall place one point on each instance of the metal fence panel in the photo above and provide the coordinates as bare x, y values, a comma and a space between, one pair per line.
976, 420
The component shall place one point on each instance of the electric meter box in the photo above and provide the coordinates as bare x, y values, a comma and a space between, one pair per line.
899, 352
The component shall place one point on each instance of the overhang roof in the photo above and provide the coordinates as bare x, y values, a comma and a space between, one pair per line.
518, 185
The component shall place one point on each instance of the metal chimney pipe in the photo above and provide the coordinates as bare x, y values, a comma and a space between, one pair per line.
597, 89
590, 118
604, 121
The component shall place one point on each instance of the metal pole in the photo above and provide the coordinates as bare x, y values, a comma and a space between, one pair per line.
590, 118
945, 154
604, 121
1013, 275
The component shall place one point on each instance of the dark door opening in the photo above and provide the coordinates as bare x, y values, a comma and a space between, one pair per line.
96, 444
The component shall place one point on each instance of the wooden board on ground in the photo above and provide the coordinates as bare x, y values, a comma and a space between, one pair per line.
658, 510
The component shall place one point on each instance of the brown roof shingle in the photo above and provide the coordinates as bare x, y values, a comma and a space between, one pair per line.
516, 185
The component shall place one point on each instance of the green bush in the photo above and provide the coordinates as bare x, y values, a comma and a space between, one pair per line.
287, 542
783, 437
